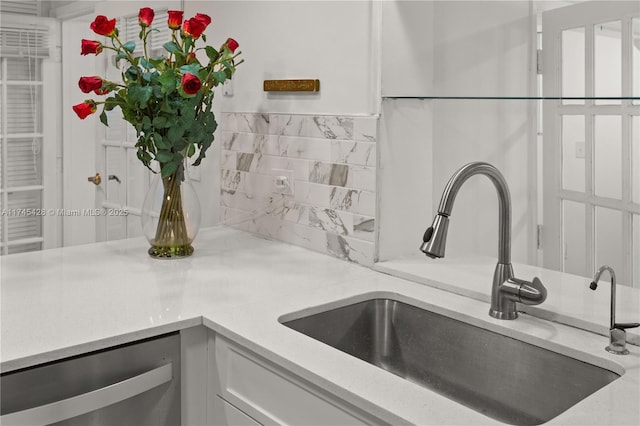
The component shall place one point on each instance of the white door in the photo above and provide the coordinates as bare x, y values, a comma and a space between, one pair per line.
79, 149
591, 138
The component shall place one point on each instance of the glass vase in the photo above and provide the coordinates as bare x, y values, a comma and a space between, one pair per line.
171, 215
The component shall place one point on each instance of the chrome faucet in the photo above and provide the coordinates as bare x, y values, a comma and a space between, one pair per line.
506, 289
617, 333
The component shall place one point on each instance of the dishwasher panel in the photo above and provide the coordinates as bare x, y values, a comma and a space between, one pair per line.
136, 384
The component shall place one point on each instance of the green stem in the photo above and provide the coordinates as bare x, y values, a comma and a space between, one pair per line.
144, 42
172, 230
129, 57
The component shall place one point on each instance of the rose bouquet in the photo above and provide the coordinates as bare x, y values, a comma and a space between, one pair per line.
168, 100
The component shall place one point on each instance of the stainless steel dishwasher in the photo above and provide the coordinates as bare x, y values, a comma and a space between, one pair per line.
135, 384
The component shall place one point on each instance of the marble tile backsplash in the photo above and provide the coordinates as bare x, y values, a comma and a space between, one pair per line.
331, 162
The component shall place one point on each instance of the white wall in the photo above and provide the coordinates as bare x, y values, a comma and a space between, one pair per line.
405, 181
479, 49
485, 49
407, 48
327, 40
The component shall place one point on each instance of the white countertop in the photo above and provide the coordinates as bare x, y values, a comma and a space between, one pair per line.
64, 302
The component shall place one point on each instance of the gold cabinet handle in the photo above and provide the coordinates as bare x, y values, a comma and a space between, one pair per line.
95, 179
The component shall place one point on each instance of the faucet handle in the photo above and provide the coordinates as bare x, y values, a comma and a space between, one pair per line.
533, 293
526, 292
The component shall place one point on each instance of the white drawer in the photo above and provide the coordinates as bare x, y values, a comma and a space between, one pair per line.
272, 395
232, 416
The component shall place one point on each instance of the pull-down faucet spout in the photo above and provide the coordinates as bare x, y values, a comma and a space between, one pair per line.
506, 290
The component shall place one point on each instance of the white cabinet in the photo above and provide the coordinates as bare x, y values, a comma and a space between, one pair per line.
269, 394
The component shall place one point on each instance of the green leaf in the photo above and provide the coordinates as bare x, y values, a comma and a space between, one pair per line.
188, 42
131, 73
121, 55
172, 47
164, 156
158, 63
145, 63
103, 118
129, 46
191, 150
190, 69
175, 133
169, 168
180, 144
144, 156
140, 95
166, 106
110, 103
160, 142
187, 113
157, 91
168, 81
219, 76
212, 53
159, 122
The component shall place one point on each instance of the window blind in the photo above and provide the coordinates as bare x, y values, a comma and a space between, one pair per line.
21, 183
24, 42
21, 7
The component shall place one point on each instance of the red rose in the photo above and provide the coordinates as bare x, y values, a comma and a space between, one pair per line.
193, 27
205, 19
85, 109
175, 19
232, 44
87, 84
145, 17
90, 46
191, 84
103, 26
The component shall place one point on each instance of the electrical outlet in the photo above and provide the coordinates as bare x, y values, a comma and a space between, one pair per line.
282, 181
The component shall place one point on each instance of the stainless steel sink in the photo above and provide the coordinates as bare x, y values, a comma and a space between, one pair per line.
504, 378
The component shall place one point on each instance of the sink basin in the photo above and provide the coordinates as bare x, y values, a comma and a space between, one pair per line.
502, 377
